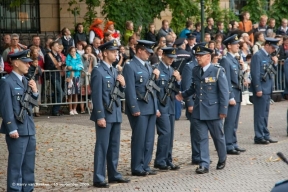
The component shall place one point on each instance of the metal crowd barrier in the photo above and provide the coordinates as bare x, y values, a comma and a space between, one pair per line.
278, 79
55, 85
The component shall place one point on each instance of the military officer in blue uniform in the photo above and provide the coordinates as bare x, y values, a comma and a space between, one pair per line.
107, 122
166, 121
210, 107
20, 136
183, 57
141, 113
234, 77
262, 88
186, 81
191, 38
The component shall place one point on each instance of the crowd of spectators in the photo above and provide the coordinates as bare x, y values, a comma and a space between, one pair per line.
73, 57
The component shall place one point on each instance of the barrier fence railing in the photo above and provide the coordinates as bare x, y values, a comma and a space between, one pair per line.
60, 89
56, 89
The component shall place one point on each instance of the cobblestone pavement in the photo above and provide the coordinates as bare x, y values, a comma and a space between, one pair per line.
65, 147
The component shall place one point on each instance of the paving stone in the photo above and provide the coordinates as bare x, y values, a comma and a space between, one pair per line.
65, 149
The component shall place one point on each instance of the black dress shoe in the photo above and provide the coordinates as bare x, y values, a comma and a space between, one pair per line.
143, 174
202, 170
101, 184
152, 172
240, 149
262, 141
233, 152
272, 141
121, 180
161, 167
220, 165
174, 167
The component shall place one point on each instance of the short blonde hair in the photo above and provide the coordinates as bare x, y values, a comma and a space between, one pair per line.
265, 17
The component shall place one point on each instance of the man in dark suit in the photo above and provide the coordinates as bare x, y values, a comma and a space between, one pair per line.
210, 107
166, 121
107, 122
141, 113
20, 136
234, 75
262, 88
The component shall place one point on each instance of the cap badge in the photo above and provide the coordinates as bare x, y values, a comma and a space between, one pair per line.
173, 52
236, 38
198, 49
28, 54
115, 43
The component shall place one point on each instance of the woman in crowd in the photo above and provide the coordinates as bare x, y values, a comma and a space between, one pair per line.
151, 34
96, 31
122, 54
107, 37
66, 40
89, 62
130, 31
110, 27
156, 57
259, 40
244, 50
245, 37
38, 66
74, 66
80, 48
79, 35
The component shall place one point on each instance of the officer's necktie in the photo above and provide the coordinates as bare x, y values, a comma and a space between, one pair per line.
111, 70
146, 65
202, 72
169, 72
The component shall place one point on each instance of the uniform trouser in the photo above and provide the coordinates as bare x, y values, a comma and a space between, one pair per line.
142, 141
261, 111
178, 109
215, 129
58, 95
165, 130
21, 163
194, 143
107, 148
231, 126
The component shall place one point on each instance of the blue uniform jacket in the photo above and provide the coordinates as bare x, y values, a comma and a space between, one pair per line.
186, 81
212, 94
232, 70
136, 77
258, 62
12, 89
102, 83
162, 82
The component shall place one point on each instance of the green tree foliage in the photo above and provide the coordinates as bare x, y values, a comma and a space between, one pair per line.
278, 11
74, 9
182, 10
140, 12
256, 8
90, 14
